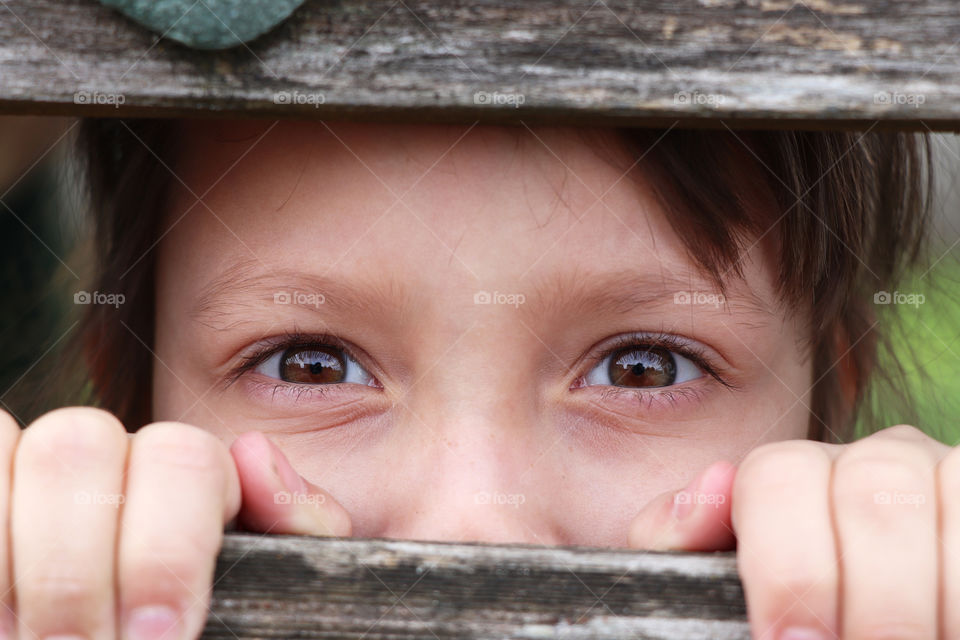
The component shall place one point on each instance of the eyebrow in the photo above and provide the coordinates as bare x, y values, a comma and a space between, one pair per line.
244, 286
622, 293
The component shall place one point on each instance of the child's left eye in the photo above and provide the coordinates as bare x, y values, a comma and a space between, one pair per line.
314, 365
643, 366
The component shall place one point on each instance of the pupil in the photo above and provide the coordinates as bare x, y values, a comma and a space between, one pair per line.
647, 367
313, 365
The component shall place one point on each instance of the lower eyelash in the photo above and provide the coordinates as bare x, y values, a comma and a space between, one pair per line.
647, 397
297, 390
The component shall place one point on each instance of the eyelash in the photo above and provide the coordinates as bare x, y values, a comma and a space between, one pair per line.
627, 401
290, 340
670, 342
666, 341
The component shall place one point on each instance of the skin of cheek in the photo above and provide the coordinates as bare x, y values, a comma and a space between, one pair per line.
448, 443
624, 471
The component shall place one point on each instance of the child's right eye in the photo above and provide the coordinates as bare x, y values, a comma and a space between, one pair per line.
314, 364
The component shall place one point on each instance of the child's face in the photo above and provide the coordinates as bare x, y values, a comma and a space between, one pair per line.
459, 419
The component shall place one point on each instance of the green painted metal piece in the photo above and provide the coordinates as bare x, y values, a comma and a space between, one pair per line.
207, 24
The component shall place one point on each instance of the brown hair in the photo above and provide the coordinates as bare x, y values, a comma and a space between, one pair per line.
849, 214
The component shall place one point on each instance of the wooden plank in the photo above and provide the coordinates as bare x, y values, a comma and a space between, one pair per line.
296, 587
786, 63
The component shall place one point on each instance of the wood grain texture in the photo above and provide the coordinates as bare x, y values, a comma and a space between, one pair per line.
294, 587
784, 63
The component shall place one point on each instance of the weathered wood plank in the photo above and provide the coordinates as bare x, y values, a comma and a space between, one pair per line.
293, 587
819, 63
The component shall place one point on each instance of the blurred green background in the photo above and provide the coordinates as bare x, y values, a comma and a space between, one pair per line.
926, 338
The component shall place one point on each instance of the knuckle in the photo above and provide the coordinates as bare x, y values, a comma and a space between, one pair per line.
170, 572
192, 544
778, 460
181, 446
74, 433
870, 476
172, 568
901, 432
57, 591
892, 461
788, 587
797, 597
787, 581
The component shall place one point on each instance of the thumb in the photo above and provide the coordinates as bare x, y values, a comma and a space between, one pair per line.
276, 499
696, 518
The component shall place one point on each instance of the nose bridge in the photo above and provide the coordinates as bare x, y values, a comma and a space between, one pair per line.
471, 436
470, 482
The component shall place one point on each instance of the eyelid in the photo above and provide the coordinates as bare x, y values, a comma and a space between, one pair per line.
266, 348
685, 347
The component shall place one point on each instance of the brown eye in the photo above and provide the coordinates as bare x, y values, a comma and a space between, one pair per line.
313, 365
648, 367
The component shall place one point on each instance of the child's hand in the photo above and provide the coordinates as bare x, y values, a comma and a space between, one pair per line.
832, 540
112, 533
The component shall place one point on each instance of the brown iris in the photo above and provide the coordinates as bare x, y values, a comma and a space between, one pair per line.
313, 365
652, 367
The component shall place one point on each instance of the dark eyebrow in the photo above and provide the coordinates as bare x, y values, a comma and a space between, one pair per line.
245, 286
620, 293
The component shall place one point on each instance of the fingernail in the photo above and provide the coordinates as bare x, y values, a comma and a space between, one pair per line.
802, 633
152, 623
288, 476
